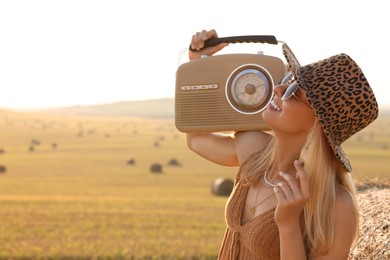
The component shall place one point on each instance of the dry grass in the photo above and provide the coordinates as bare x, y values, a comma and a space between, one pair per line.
373, 200
82, 200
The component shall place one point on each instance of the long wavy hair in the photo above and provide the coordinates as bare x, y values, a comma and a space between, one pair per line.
325, 175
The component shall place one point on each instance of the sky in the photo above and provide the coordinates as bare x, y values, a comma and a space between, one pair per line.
85, 52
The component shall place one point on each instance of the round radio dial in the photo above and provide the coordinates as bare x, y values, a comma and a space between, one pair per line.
249, 89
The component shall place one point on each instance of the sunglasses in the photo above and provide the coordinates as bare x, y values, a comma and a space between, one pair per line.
291, 89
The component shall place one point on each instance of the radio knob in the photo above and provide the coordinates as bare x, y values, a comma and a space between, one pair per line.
250, 89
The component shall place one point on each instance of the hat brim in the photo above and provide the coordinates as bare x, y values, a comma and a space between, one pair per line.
295, 66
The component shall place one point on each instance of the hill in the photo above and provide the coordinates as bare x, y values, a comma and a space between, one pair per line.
154, 108
157, 108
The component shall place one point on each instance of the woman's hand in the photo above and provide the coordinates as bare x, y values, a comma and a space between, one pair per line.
292, 195
197, 43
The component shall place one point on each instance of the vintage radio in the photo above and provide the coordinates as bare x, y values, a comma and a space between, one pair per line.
226, 92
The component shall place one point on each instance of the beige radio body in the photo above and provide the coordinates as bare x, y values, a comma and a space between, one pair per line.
225, 92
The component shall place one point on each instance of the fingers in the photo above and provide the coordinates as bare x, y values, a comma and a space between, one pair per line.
292, 195
198, 39
283, 192
198, 42
280, 195
291, 185
302, 179
293, 189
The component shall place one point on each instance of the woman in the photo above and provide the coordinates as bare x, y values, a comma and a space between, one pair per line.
294, 197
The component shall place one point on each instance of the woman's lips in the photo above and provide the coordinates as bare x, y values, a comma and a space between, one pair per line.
275, 106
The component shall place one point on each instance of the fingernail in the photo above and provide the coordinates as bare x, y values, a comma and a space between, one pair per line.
297, 162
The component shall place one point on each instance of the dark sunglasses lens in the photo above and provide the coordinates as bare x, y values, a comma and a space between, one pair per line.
286, 78
290, 90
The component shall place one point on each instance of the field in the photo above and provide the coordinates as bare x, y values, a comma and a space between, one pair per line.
82, 187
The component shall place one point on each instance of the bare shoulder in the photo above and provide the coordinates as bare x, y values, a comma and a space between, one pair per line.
344, 202
249, 142
345, 222
344, 227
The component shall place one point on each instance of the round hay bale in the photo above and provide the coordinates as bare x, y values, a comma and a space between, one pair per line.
156, 168
374, 239
3, 169
35, 142
222, 186
131, 161
174, 162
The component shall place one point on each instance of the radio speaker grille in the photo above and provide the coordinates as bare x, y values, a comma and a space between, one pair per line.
210, 111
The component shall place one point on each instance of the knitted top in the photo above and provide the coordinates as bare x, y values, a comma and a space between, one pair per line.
256, 239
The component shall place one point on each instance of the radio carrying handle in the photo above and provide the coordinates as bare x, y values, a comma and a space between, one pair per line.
270, 39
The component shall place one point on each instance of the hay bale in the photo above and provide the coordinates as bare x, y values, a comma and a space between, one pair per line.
156, 168
374, 239
3, 169
174, 162
222, 186
131, 161
35, 142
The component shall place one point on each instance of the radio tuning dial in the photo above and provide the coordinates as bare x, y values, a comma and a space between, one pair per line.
249, 89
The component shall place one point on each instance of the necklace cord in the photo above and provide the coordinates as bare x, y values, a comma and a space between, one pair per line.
252, 210
267, 181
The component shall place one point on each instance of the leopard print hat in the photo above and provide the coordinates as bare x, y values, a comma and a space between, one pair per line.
340, 96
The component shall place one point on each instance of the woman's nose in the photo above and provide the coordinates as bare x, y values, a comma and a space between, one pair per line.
278, 89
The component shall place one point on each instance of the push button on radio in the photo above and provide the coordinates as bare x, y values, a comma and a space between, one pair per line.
200, 87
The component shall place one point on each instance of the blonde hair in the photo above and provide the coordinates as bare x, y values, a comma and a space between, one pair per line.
325, 175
